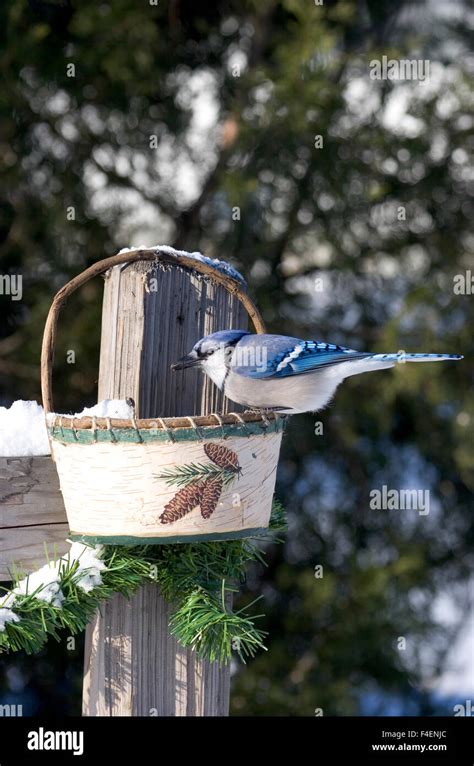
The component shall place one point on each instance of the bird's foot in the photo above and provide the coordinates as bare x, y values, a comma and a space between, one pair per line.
265, 411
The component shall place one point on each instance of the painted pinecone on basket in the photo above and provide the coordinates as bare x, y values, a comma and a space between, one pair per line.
222, 456
183, 502
210, 496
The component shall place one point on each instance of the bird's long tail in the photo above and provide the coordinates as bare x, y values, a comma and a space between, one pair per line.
401, 357
372, 362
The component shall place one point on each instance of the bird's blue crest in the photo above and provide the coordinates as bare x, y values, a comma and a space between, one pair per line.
226, 337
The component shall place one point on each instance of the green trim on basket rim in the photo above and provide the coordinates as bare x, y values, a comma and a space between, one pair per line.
132, 435
128, 540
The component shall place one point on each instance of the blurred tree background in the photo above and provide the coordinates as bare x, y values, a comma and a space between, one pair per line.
196, 125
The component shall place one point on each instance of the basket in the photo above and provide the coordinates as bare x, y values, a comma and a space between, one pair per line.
162, 480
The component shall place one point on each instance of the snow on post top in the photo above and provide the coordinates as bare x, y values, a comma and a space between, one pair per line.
222, 266
23, 430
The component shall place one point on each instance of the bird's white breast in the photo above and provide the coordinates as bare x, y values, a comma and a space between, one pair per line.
301, 393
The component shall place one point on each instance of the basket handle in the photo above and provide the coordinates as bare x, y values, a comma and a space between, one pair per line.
162, 256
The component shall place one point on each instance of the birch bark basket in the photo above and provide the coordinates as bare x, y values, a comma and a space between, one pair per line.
151, 317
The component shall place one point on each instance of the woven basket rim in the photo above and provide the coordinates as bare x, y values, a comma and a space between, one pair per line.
165, 424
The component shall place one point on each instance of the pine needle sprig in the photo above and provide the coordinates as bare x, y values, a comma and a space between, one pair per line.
278, 520
202, 623
187, 474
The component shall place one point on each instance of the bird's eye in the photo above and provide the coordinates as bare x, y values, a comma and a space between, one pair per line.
211, 351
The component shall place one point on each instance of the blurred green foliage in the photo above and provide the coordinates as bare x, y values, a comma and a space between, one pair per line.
235, 94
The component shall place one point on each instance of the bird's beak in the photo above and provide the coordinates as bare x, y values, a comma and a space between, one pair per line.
186, 361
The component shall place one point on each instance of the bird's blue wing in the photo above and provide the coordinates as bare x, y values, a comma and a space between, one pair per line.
275, 356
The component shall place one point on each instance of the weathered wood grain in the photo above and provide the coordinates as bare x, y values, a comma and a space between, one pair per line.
24, 548
150, 318
31, 513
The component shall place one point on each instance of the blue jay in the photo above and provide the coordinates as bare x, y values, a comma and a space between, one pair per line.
288, 375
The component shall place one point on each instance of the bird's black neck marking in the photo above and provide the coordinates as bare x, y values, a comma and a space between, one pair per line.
228, 363
227, 370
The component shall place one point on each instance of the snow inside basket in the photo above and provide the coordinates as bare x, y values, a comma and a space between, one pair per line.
167, 480
161, 480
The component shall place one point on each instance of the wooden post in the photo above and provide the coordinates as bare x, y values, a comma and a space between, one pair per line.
151, 316
31, 514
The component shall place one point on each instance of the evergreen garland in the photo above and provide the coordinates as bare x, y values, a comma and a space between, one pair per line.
197, 578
